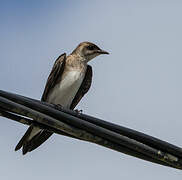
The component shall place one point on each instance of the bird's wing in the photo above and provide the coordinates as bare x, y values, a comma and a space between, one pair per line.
55, 75
40, 136
85, 86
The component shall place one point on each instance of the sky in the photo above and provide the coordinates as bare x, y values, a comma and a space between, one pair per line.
138, 85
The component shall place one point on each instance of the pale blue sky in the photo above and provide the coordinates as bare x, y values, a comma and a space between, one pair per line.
138, 85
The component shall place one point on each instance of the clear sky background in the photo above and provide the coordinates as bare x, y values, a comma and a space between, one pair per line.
138, 85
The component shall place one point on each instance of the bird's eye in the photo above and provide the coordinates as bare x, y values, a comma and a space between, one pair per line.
91, 47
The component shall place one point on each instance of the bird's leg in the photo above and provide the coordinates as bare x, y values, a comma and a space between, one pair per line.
59, 107
78, 111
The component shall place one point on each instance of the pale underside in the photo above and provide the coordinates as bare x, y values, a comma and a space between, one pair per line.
64, 92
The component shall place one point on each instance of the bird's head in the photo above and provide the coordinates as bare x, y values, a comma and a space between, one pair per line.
88, 51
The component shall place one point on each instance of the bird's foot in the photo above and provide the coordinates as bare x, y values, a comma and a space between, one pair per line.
59, 107
78, 111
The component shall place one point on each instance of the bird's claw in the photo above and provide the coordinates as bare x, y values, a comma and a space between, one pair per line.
79, 111
59, 107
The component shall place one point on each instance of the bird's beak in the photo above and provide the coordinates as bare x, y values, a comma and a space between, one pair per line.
102, 52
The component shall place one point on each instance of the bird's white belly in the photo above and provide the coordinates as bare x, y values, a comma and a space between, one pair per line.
64, 92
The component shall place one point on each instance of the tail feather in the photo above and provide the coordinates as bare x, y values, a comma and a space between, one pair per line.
32, 139
39, 139
24, 138
25, 148
27, 140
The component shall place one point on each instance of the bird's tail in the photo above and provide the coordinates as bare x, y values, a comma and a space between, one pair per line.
33, 138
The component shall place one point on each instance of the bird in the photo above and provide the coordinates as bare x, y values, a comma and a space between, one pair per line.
69, 80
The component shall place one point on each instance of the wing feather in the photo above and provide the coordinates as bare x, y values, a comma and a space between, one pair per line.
55, 75
85, 86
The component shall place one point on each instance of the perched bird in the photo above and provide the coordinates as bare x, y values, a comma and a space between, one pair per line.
69, 80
